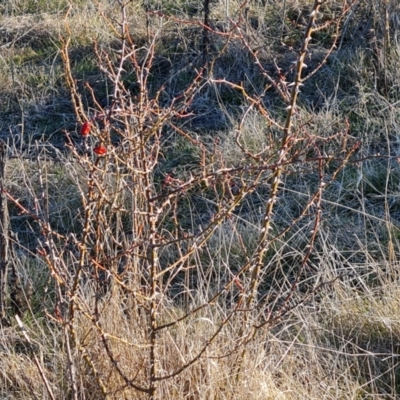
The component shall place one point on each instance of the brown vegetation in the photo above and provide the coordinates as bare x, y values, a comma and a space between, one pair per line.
199, 201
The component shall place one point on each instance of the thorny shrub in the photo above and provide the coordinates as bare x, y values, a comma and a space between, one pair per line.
140, 271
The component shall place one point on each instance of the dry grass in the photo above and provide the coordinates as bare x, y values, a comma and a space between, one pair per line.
341, 341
